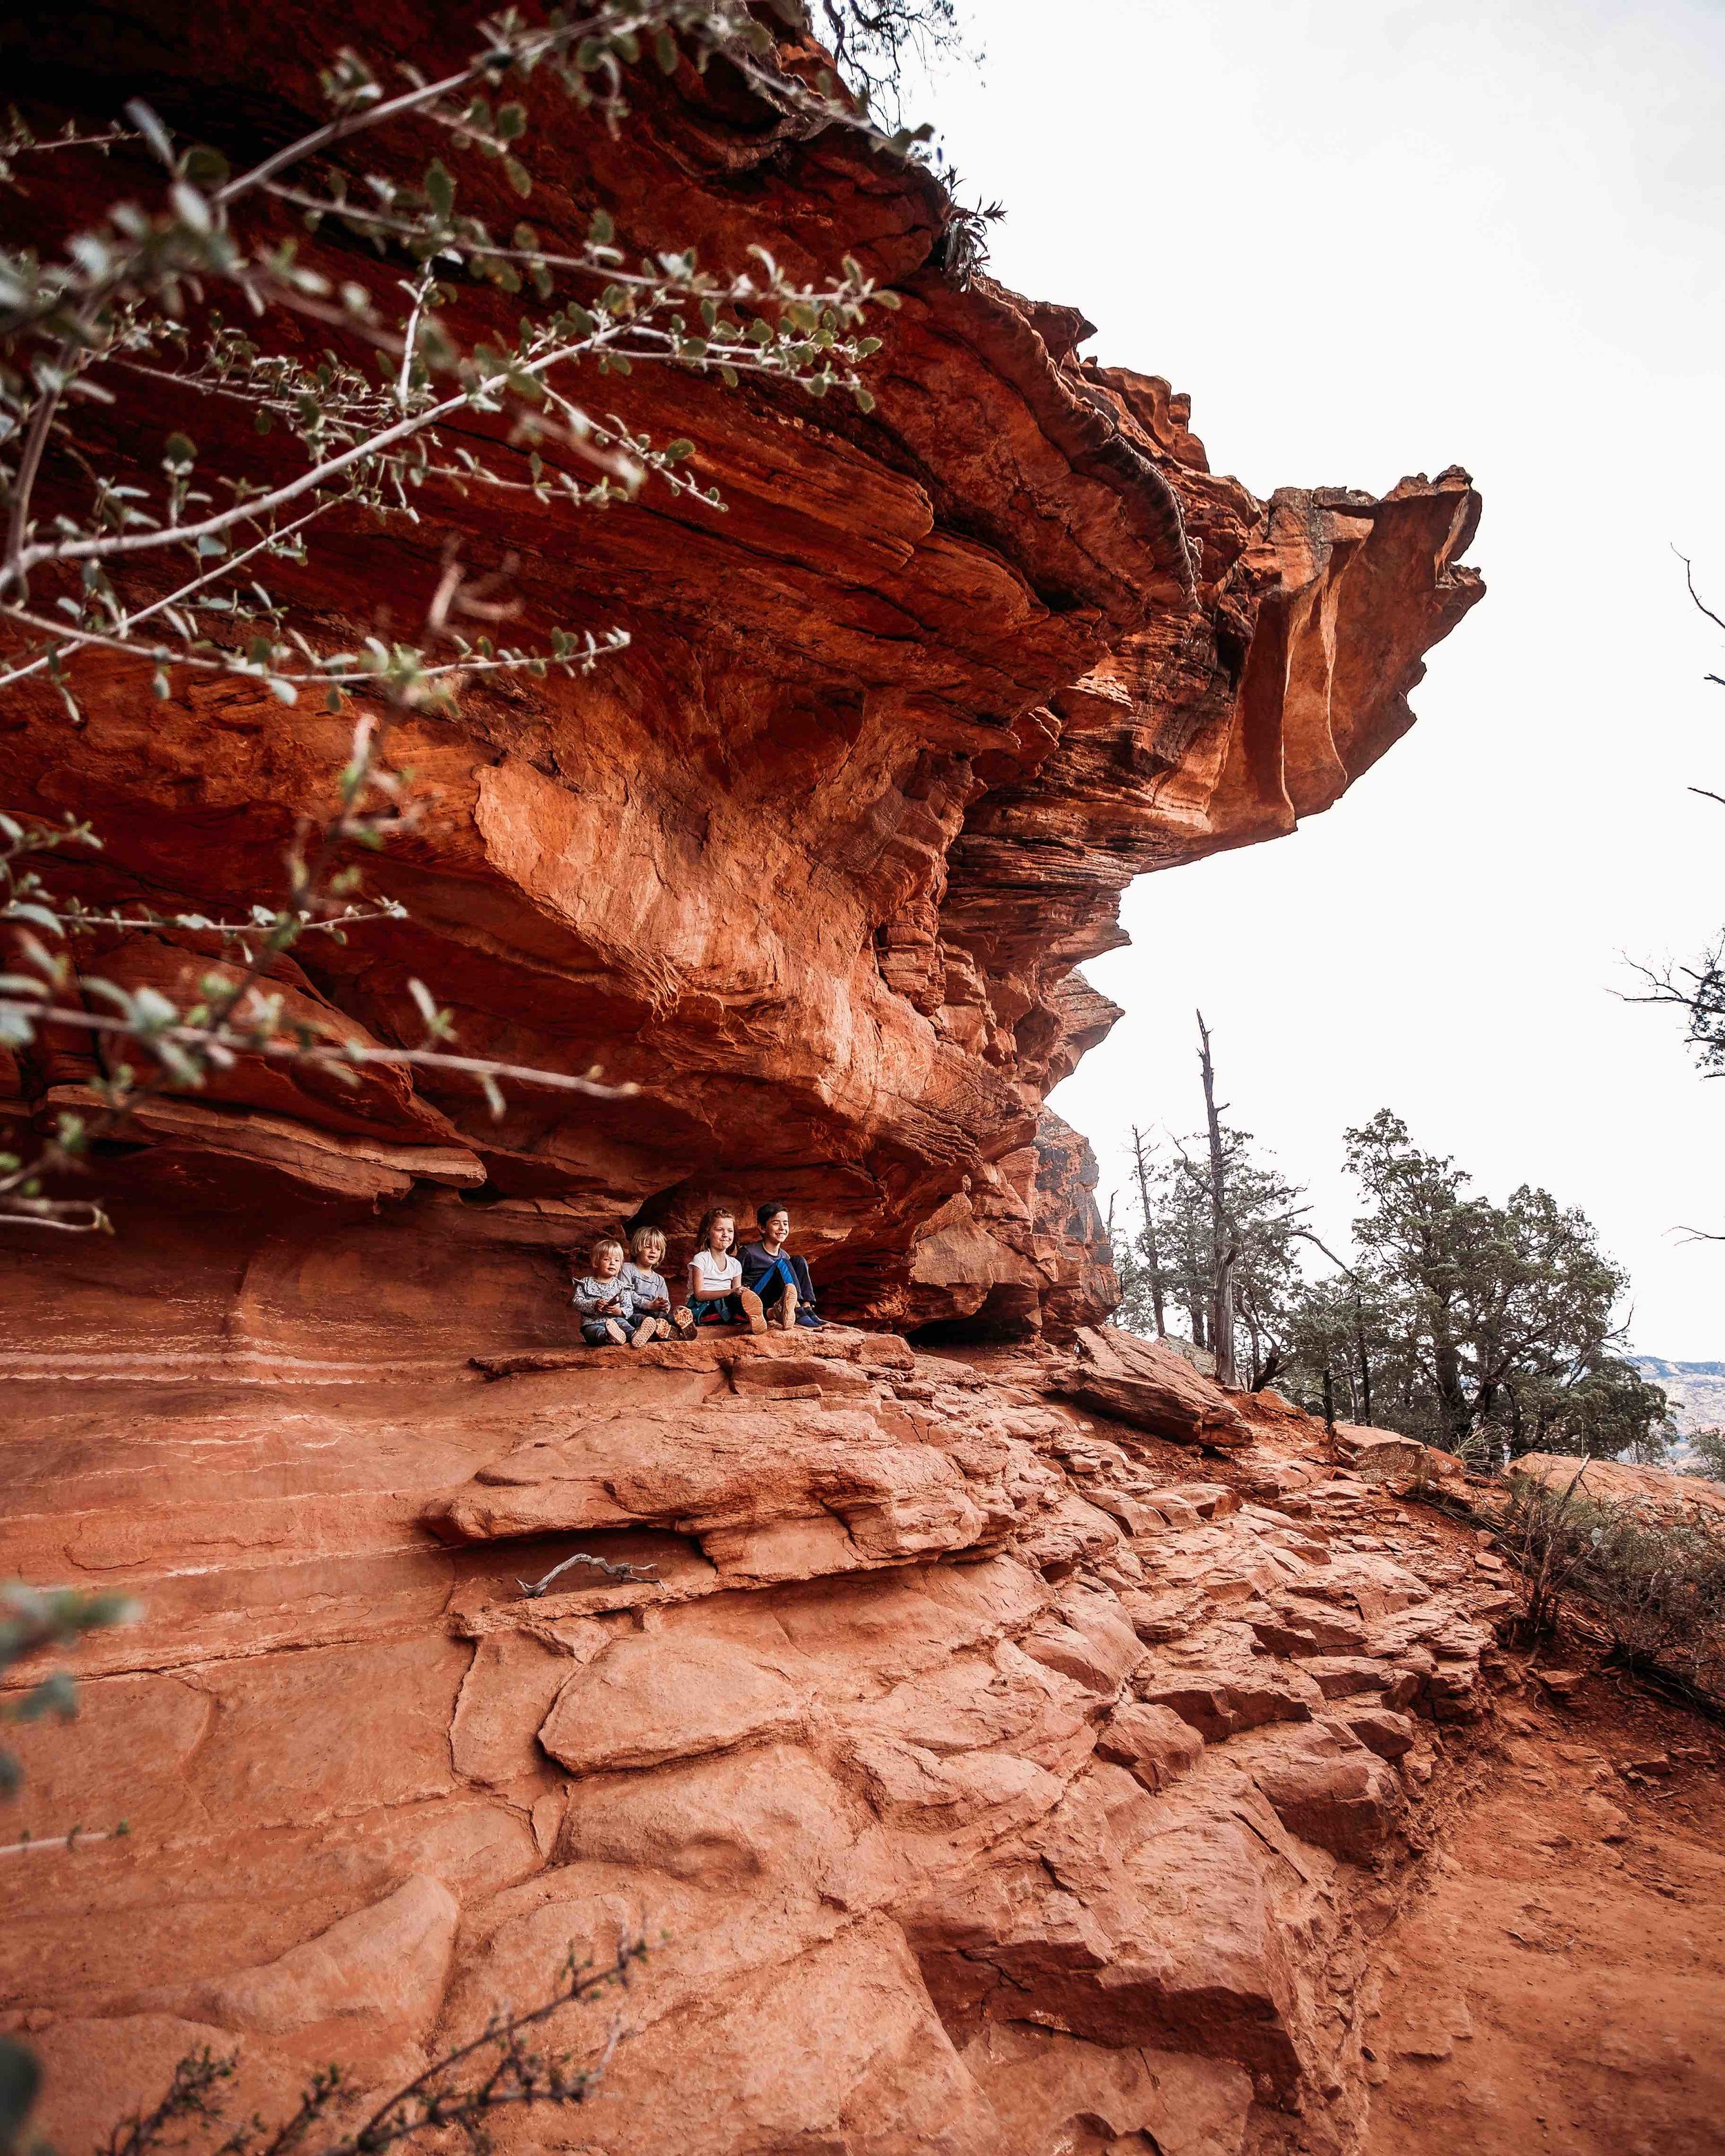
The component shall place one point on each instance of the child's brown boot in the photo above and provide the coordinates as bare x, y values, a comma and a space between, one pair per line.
751, 1309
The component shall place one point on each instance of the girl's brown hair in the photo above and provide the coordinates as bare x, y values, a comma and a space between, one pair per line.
604, 1243
708, 1220
642, 1241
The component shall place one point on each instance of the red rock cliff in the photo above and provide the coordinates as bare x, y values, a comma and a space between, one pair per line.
814, 863
1021, 1755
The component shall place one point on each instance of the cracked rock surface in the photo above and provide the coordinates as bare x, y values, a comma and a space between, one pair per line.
981, 1769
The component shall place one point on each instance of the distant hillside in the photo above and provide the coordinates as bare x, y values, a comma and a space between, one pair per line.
1696, 1390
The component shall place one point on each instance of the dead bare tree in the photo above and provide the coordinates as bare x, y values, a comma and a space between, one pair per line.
1226, 1248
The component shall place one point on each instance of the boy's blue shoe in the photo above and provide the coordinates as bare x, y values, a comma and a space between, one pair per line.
808, 1318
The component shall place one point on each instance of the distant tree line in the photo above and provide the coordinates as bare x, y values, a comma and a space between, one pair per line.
1486, 1330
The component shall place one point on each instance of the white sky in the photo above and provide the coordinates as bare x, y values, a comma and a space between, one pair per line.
1376, 239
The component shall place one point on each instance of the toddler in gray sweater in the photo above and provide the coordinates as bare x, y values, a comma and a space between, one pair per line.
605, 1303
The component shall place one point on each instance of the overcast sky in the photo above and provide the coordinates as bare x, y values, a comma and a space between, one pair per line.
1373, 238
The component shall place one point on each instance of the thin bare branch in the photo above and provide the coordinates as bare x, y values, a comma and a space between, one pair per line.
349, 1054
271, 541
1701, 603
29, 465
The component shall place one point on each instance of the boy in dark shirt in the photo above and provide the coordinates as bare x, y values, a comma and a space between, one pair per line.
780, 1280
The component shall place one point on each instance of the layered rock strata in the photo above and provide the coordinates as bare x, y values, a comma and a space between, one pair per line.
812, 865
985, 1774
989, 1775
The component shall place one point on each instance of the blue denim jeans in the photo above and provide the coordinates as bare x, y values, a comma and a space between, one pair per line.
771, 1281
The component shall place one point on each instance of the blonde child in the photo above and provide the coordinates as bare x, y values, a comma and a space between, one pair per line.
717, 1294
604, 1304
646, 1284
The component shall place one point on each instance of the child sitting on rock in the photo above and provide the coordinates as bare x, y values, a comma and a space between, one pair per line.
781, 1280
603, 1303
717, 1294
647, 1287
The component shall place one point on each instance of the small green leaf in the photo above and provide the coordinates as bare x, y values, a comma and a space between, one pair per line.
665, 51
519, 178
600, 229
179, 450
206, 167
439, 188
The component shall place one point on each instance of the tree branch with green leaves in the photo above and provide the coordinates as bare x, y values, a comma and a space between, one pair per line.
399, 416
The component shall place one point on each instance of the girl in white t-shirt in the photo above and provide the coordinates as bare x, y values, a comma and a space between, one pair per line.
717, 1294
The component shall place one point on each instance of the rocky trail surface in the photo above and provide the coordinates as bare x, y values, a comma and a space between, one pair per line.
990, 1776
1557, 1985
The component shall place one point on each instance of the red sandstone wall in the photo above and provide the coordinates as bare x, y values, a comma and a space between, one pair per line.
813, 863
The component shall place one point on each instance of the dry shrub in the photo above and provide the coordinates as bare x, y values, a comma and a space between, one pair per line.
1653, 1575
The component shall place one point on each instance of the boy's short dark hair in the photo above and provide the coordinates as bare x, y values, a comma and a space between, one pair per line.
763, 1213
